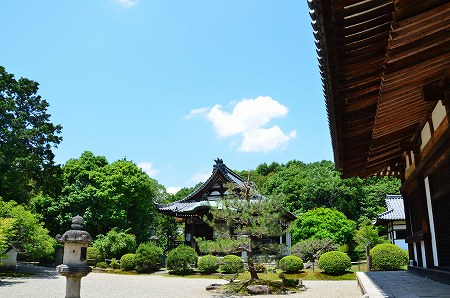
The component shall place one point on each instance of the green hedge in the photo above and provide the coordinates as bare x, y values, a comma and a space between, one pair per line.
334, 262
231, 264
291, 264
388, 257
208, 264
181, 259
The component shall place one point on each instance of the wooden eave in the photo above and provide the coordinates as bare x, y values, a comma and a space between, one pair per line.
375, 56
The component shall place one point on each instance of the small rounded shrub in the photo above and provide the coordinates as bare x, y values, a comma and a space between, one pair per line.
148, 257
181, 259
388, 257
128, 262
208, 264
291, 264
334, 262
101, 265
231, 264
114, 264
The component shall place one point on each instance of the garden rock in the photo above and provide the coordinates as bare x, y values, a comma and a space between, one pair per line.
212, 287
258, 290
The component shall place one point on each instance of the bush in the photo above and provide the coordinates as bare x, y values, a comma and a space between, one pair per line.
312, 249
115, 244
114, 264
181, 259
260, 267
93, 255
208, 264
128, 262
101, 265
231, 264
388, 257
334, 262
291, 264
148, 257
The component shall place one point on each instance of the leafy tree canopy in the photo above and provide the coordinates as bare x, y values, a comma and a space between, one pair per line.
26, 139
312, 185
321, 223
25, 232
106, 195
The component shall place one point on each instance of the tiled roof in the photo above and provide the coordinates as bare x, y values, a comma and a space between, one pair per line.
195, 201
395, 209
190, 204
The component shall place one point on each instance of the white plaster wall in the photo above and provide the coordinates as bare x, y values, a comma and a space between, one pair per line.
401, 243
438, 114
425, 134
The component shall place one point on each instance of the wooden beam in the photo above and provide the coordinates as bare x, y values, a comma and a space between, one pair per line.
433, 93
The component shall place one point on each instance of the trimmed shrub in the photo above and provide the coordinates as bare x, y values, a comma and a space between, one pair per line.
291, 264
128, 262
101, 265
231, 264
334, 262
114, 264
148, 257
181, 259
388, 257
208, 264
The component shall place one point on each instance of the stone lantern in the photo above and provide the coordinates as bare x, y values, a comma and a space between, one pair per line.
74, 265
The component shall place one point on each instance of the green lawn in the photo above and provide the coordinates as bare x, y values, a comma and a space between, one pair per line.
306, 274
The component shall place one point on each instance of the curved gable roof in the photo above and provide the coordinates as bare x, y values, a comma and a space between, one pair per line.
211, 189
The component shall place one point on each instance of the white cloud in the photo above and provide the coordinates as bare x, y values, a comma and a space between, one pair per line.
127, 3
200, 177
265, 139
248, 114
249, 119
196, 112
147, 167
173, 189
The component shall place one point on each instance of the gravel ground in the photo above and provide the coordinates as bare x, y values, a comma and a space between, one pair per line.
47, 284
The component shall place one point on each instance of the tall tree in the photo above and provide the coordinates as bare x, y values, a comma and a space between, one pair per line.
251, 215
106, 195
26, 138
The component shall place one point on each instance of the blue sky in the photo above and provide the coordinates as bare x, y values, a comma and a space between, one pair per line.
172, 85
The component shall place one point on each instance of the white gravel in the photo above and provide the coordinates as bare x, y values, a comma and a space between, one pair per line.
47, 284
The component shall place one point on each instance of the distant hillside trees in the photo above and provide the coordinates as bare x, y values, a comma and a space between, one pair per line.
308, 186
26, 140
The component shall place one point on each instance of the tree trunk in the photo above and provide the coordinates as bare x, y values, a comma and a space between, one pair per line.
369, 260
250, 264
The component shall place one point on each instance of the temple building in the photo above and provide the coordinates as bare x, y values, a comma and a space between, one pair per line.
385, 68
196, 205
394, 219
